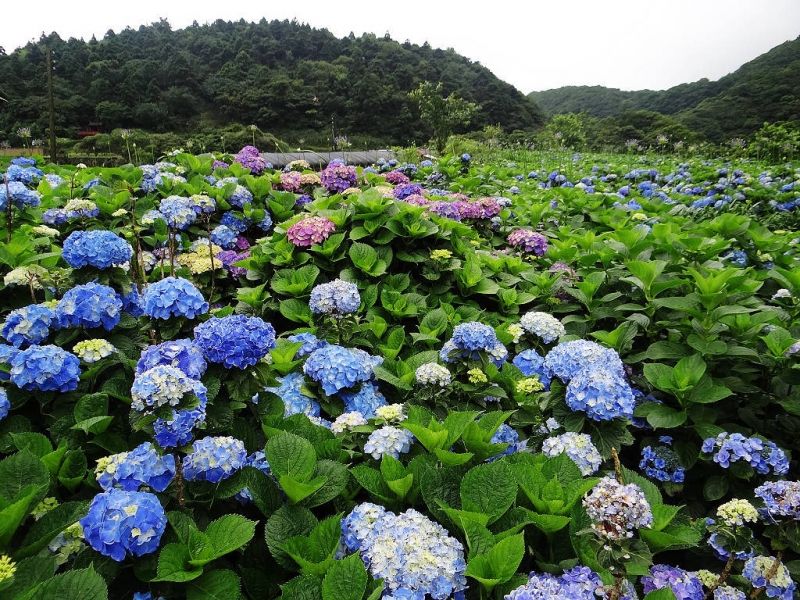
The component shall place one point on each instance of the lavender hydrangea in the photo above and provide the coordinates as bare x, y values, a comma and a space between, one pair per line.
45, 368
121, 522
337, 177
28, 325
543, 325
413, 555
529, 241
781, 499
310, 231
173, 297
214, 458
101, 249
250, 158
684, 584
337, 298
335, 367
235, 340
735, 447
182, 354
89, 305
579, 583
578, 447
131, 470
602, 394
616, 509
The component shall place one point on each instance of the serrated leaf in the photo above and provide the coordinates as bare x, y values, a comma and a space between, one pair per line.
19, 471
35, 443
291, 455
489, 489
91, 405
85, 584
305, 587
346, 580
286, 523
173, 564
220, 584
49, 526
230, 533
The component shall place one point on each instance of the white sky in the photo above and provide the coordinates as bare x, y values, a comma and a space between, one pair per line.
532, 44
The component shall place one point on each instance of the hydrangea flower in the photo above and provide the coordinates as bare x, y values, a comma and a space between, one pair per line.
240, 194
391, 413
90, 351
20, 196
337, 177
412, 554
335, 367
567, 359
294, 400
684, 584
781, 499
224, 236
433, 374
182, 354
661, 463
579, 448
337, 298
472, 338
28, 325
45, 368
388, 440
366, 401
779, 585
250, 158
532, 364
726, 592
506, 434
235, 340
602, 394
616, 509
67, 543
178, 211
89, 305
310, 231
173, 297
121, 522
163, 385
5, 405
543, 325
580, 583
214, 459
131, 470
309, 341
347, 422
101, 249
179, 429
530, 241
734, 447
257, 460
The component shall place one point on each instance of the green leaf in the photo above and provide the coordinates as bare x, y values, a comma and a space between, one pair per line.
315, 553
305, 587
662, 594
548, 524
363, 256
296, 490
296, 310
663, 515
230, 533
90, 405
434, 323
220, 584
346, 580
49, 526
286, 523
489, 489
666, 417
336, 477
499, 564
688, 371
30, 573
73, 469
479, 539
19, 471
14, 513
705, 392
371, 480
173, 564
715, 488
85, 584
201, 550
35, 443
290, 454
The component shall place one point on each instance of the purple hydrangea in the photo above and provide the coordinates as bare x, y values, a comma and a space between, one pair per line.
530, 241
735, 447
310, 231
337, 177
684, 584
250, 158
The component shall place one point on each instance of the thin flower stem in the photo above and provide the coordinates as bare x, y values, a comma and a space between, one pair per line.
179, 480
722, 577
617, 465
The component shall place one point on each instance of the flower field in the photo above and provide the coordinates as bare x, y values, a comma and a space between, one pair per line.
539, 376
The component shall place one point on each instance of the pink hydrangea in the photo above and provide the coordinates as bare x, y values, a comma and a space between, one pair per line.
309, 231
290, 182
396, 178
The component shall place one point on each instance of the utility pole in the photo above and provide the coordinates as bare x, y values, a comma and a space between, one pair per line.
51, 105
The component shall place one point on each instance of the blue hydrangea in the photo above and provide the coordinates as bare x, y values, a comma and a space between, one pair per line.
178, 211
121, 522
726, 592
388, 440
778, 586
181, 354
309, 341
532, 364
240, 194
781, 499
470, 340
336, 368
735, 447
294, 400
214, 458
28, 325
89, 305
20, 196
661, 463
266, 223
235, 340
616, 509
602, 394
163, 385
257, 460
101, 249
412, 554
22, 173
234, 223
506, 434
684, 584
580, 583
173, 297
131, 470
202, 204
337, 298
179, 429
578, 447
132, 302
224, 236
45, 368
718, 546
567, 359
5, 405
365, 401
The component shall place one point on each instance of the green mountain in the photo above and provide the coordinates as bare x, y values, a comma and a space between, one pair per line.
281, 76
764, 89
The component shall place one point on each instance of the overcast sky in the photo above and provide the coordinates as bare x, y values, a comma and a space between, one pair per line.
532, 44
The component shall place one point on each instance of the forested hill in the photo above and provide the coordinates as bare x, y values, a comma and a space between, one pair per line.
278, 75
764, 89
